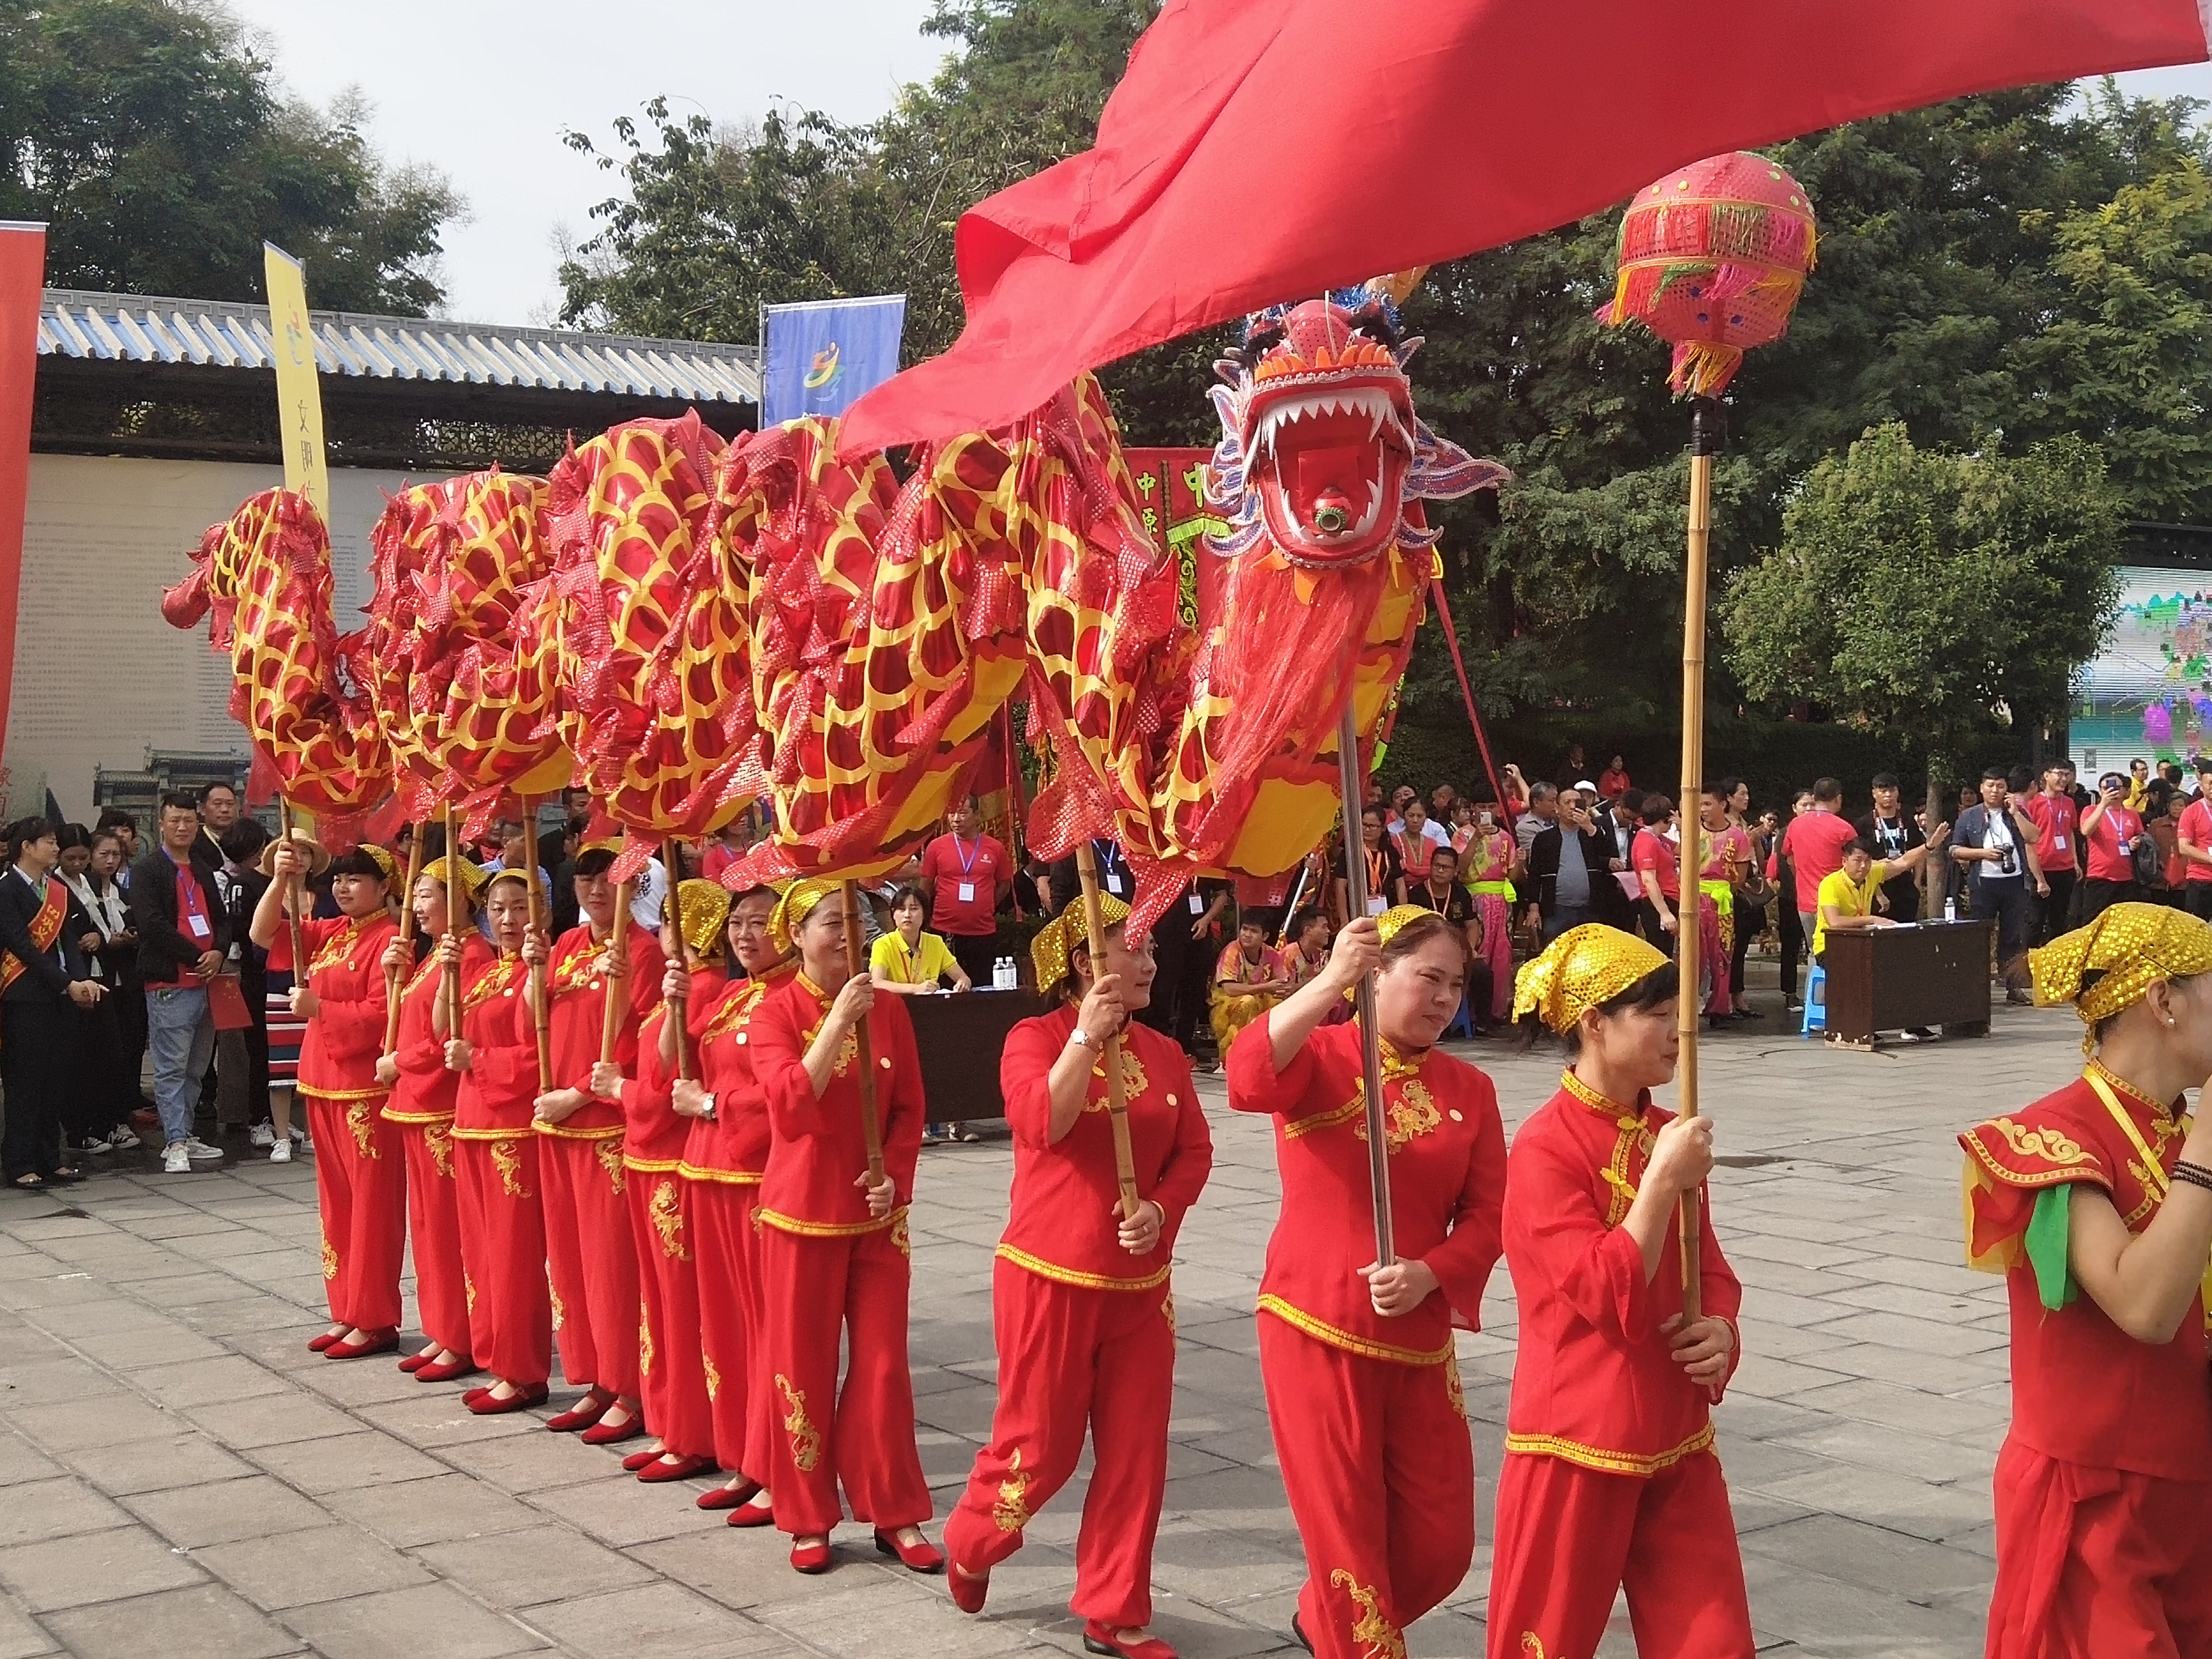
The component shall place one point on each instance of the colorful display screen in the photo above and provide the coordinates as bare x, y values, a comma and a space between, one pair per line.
2148, 693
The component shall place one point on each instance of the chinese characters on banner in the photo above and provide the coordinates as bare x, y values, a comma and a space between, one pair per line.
1171, 488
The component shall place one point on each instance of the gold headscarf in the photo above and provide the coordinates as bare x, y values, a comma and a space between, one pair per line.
603, 844
2130, 948
1584, 968
1055, 944
706, 912
792, 910
1397, 916
382, 859
473, 876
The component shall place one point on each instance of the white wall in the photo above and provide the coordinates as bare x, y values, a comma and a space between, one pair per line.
99, 676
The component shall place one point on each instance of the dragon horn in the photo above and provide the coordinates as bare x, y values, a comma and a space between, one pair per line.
1398, 286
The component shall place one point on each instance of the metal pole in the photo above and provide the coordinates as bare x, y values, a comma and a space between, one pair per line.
1351, 780
1117, 1097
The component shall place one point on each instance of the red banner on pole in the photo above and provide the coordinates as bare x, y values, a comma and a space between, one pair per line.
22, 275
1171, 485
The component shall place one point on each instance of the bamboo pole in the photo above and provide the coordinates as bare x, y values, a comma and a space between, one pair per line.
1117, 1091
1351, 777
1707, 434
679, 1019
406, 936
541, 1015
454, 924
872, 1129
617, 938
296, 901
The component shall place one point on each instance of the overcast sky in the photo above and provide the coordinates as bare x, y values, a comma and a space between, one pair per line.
483, 90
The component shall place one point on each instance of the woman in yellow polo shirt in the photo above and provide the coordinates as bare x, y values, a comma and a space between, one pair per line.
909, 963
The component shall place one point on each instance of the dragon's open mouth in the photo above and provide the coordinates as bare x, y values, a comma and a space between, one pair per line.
1327, 452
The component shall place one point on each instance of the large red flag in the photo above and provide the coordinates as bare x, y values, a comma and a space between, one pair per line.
22, 271
1259, 150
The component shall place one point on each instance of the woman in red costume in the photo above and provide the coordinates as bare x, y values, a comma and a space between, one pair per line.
833, 1243
421, 1105
361, 1162
1081, 1306
1491, 861
495, 1157
671, 1372
1362, 1385
2096, 1203
590, 1256
724, 1159
1610, 1478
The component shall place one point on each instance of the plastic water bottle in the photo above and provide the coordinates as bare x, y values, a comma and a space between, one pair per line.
1004, 974
1950, 909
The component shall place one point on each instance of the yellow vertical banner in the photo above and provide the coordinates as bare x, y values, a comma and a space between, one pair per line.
299, 399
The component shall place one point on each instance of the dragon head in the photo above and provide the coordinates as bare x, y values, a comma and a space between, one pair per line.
1321, 453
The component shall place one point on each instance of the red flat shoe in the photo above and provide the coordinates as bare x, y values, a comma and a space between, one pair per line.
415, 1362
750, 1514
447, 1370
683, 1469
924, 1557
969, 1588
1103, 1638
378, 1342
484, 1403
317, 1344
729, 1498
811, 1557
638, 1460
603, 1434
590, 1409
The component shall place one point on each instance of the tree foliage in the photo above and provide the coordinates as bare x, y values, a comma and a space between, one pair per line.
154, 144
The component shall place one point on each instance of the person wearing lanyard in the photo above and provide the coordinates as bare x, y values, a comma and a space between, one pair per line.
183, 941
961, 875
2055, 813
1891, 831
909, 963
2109, 828
1386, 876
42, 972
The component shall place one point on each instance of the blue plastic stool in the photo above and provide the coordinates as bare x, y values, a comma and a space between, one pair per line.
1463, 1022
1816, 1002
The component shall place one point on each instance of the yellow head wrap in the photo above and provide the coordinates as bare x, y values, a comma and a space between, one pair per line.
2124, 951
706, 912
603, 844
1055, 944
1584, 968
472, 875
382, 859
518, 876
792, 910
1396, 917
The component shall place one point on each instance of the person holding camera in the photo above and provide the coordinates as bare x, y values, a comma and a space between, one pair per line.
1995, 842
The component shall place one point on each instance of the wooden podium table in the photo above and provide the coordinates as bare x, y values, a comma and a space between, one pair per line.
960, 1035
1885, 979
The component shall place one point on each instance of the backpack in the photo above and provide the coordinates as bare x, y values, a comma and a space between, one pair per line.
2149, 861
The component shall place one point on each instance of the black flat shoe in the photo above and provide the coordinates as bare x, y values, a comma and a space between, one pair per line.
1298, 1631
29, 1181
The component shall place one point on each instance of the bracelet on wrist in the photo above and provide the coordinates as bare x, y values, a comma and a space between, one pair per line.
2195, 1173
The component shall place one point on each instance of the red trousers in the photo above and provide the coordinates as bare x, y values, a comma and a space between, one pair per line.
433, 1227
503, 1248
1380, 1472
739, 1398
1069, 1359
592, 1260
671, 1380
1569, 1537
812, 1290
361, 1183
2093, 1562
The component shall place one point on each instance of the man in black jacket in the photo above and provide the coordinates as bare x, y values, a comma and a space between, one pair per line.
184, 937
1574, 881
43, 973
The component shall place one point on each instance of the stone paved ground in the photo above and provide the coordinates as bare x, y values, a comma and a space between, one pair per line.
183, 1478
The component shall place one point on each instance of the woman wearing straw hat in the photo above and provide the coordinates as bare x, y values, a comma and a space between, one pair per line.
422, 1103
2096, 1204
833, 1243
1080, 1300
725, 1157
361, 1161
591, 1258
495, 1157
1610, 1477
1362, 1385
671, 1372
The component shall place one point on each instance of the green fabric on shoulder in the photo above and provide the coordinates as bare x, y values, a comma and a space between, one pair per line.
2049, 1232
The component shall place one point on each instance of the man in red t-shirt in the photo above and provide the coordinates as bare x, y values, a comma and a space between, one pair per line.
1814, 844
2110, 830
962, 873
2193, 840
2056, 819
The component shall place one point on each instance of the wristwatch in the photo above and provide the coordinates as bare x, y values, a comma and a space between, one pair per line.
1081, 1037
708, 1110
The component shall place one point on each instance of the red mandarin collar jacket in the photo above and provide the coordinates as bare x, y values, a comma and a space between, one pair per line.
499, 1092
579, 992
1065, 1211
2083, 1390
1594, 1381
652, 1134
818, 1150
345, 968
1447, 1189
733, 1146
426, 1091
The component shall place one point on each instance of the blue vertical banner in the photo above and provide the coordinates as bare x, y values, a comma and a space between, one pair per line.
819, 355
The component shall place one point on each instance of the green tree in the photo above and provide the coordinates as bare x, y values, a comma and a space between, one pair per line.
1931, 595
153, 141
